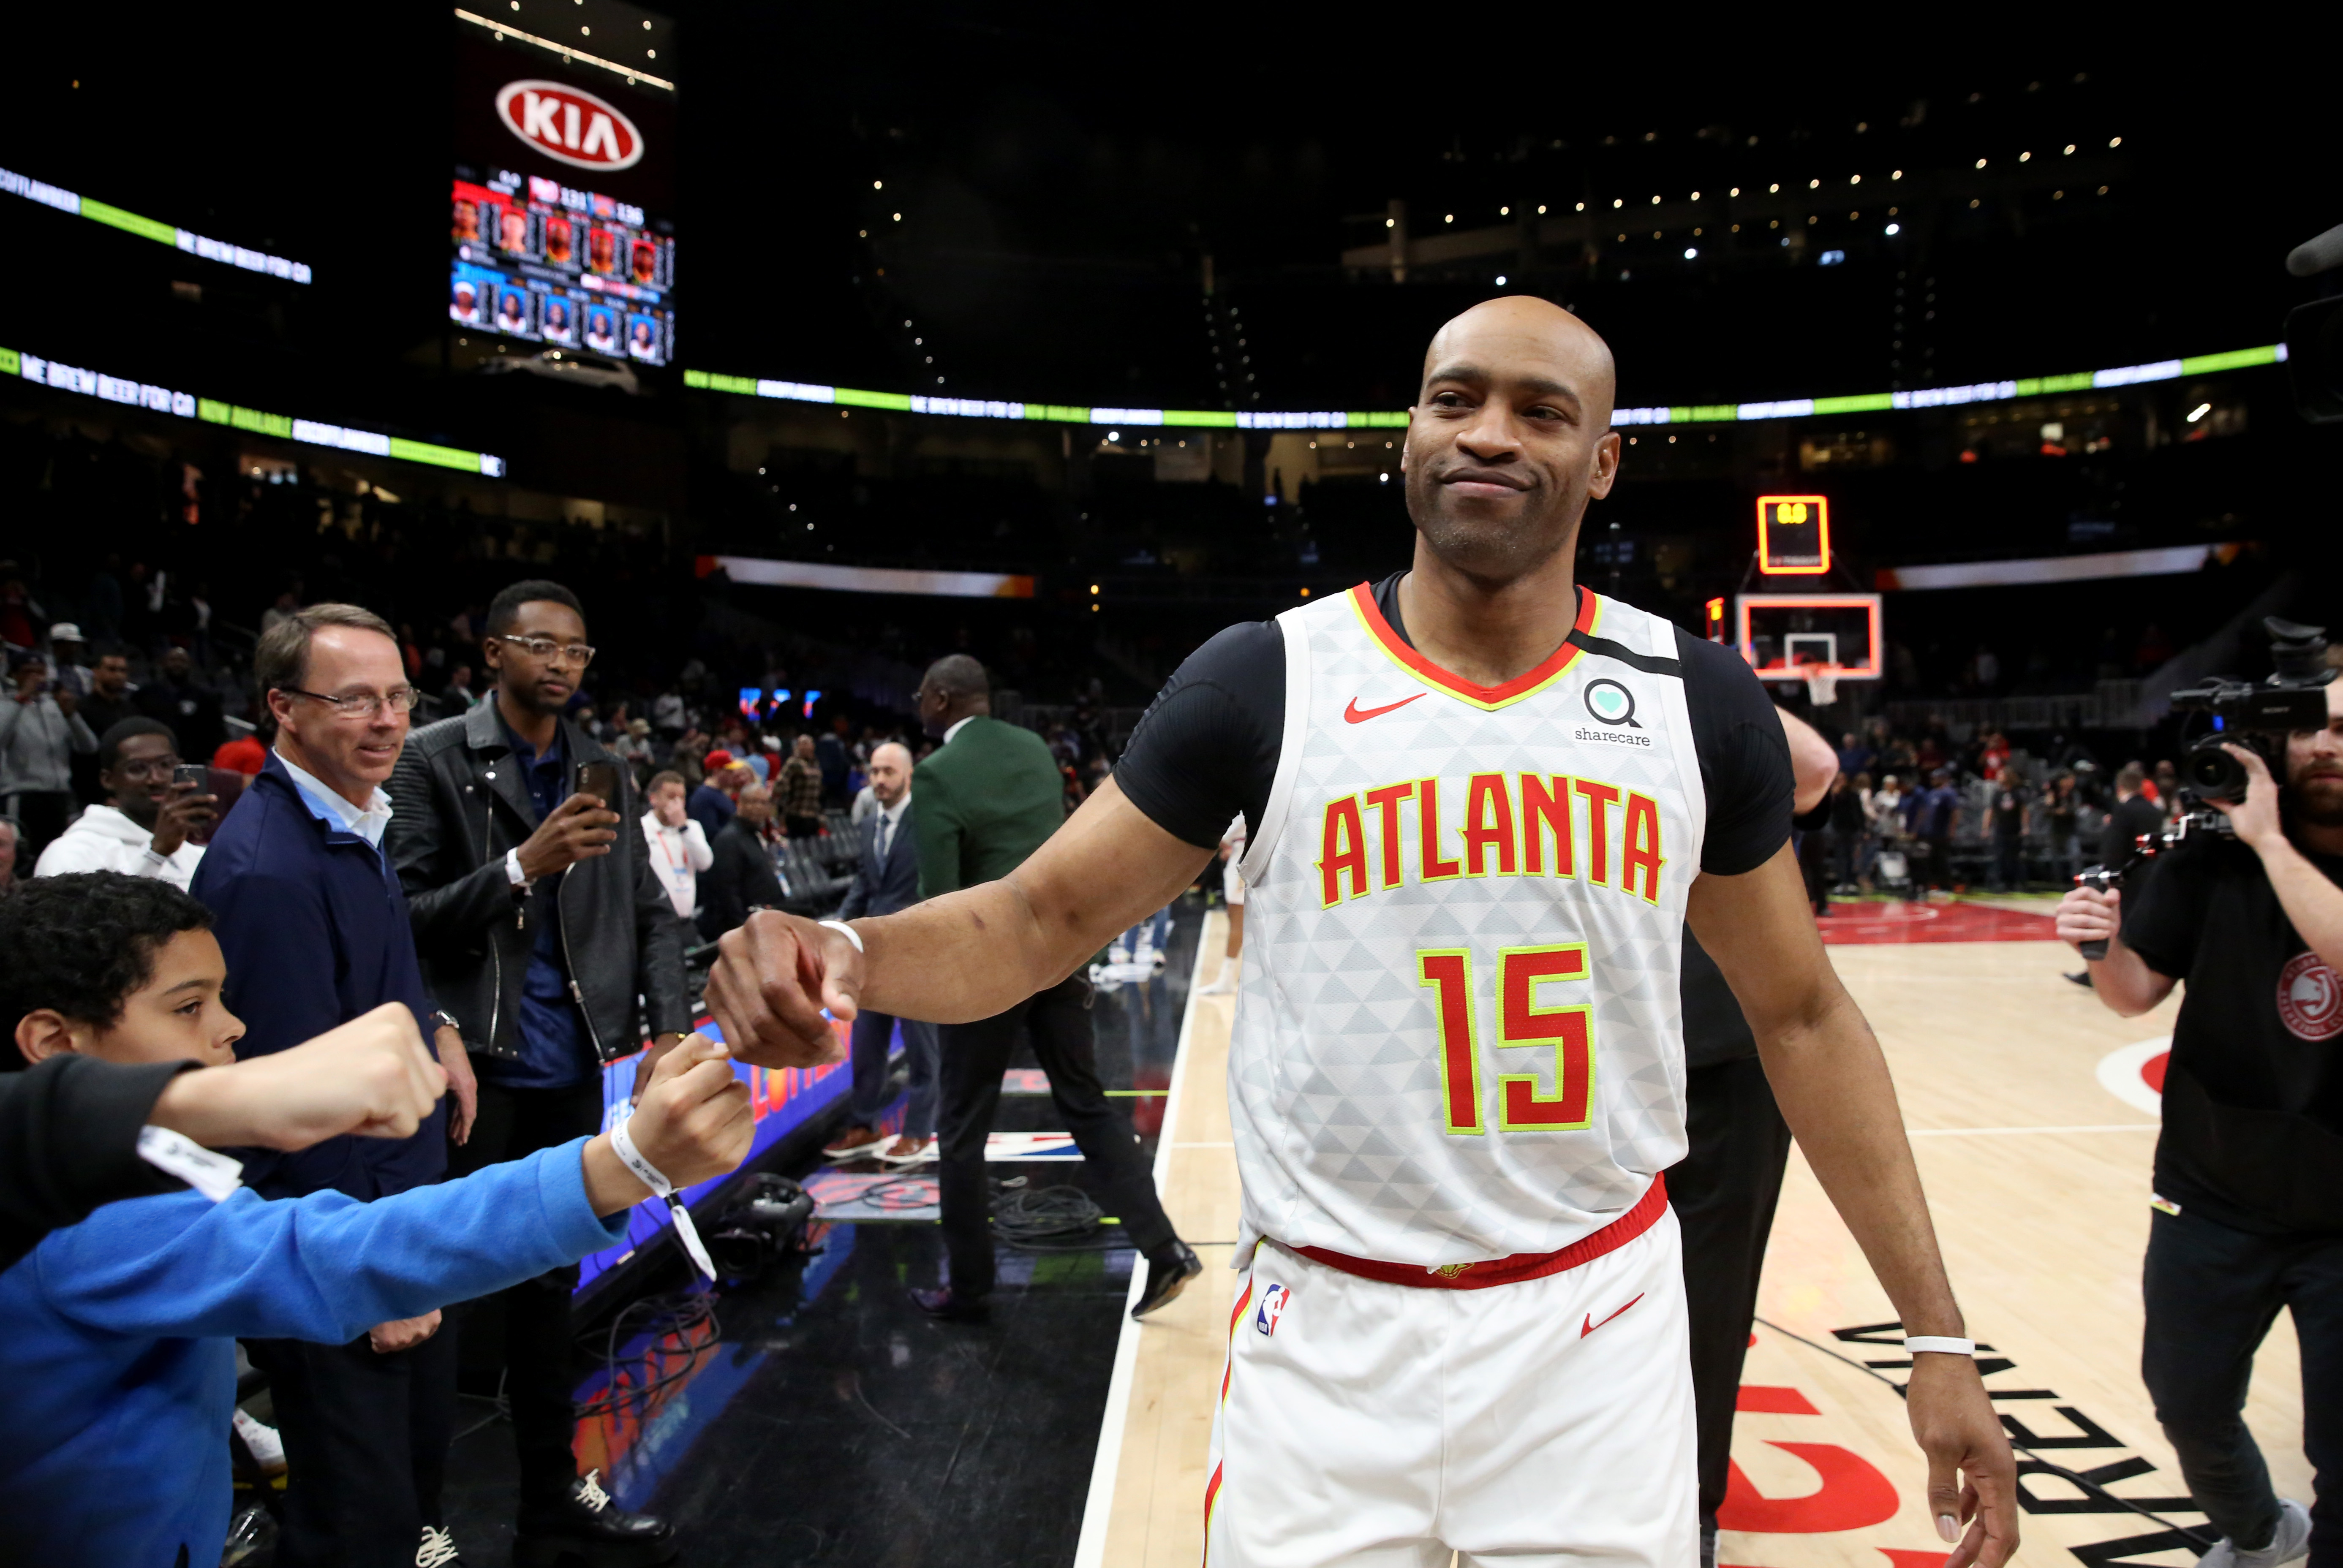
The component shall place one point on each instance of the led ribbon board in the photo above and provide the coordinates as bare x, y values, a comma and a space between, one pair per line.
178, 238
66, 377
1682, 414
1794, 535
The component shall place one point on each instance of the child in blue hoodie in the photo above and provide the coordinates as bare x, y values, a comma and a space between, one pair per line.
119, 1355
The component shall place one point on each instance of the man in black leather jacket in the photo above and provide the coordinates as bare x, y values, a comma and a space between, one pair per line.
538, 921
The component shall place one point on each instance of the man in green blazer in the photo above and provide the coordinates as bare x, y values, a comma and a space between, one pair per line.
989, 795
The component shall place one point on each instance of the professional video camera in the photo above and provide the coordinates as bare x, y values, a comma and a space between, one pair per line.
2258, 717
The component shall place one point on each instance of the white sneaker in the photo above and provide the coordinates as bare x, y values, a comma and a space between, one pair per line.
2291, 1542
437, 1551
1224, 983
261, 1439
1118, 954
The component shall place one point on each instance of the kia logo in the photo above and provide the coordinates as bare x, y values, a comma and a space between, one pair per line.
569, 124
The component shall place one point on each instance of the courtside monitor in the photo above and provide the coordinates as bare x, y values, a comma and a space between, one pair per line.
1794, 535
1790, 637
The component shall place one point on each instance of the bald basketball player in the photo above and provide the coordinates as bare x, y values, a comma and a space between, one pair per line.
1484, 801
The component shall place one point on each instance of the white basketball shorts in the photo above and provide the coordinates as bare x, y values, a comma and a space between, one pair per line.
1378, 1425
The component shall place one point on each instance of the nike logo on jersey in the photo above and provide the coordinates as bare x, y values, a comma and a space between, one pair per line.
1589, 1325
1354, 714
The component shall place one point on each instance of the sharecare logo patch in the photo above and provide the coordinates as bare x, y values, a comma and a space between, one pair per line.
570, 124
2310, 998
1273, 1302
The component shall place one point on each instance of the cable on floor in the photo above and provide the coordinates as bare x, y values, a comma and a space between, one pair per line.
681, 1323
2089, 1486
1059, 1219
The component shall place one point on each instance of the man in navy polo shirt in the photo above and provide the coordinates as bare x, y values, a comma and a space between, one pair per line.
315, 929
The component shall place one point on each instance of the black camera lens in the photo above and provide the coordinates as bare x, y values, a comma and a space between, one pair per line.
2212, 773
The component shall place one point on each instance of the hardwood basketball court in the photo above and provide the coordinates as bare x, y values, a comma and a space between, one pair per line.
2033, 1125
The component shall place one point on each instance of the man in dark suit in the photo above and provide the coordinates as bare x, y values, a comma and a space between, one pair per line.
988, 796
741, 877
887, 879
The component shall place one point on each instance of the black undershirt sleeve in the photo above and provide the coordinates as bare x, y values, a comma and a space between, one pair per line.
1206, 748
69, 1142
1744, 758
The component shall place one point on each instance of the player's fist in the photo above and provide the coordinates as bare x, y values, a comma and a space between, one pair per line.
371, 1076
773, 976
2087, 915
694, 1121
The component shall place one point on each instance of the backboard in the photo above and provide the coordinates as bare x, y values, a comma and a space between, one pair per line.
1789, 636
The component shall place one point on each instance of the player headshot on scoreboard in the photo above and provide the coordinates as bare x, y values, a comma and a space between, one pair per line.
557, 240
1486, 804
558, 321
467, 218
512, 310
463, 304
602, 252
646, 265
642, 338
512, 230
600, 334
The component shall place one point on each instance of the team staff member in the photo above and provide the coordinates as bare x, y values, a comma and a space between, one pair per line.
1725, 1190
1421, 1108
540, 923
887, 879
988, 796
314, 926
2249, 1166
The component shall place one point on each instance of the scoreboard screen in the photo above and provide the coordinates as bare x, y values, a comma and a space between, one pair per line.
1794, 535
548, 263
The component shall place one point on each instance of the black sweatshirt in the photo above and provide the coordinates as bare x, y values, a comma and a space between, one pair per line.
69, 1142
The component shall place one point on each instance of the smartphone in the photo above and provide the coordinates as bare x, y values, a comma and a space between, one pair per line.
197, 774
599, 780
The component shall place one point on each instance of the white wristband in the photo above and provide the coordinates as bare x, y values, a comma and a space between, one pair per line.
513, 873
211, 1174
844, 929
1943, 1344
622, 1143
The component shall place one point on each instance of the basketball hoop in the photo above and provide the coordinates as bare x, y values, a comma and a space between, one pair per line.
1822, 684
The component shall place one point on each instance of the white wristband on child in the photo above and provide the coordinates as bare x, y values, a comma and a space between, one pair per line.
1943, 1344
842, 929
622, 1143
213, 1175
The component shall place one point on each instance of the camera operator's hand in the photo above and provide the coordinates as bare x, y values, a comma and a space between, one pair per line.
2255, 818
185, 810
2087, 915
579, 828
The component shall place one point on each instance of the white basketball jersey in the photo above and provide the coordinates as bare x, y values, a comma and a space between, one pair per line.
1459, 1037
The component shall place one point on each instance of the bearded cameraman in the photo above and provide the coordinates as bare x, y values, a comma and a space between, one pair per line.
2248, 1177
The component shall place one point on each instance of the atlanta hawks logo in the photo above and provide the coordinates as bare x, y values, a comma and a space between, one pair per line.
2310, 998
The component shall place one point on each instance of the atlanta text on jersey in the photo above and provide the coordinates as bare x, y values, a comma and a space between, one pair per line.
1509, 826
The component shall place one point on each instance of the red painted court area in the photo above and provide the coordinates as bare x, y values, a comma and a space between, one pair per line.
1902, 922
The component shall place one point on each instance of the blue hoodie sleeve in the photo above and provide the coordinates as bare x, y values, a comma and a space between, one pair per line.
321, 1267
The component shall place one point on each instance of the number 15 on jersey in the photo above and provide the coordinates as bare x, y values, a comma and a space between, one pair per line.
1568, 1031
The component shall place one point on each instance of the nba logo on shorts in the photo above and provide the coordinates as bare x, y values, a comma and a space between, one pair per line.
1272, 1307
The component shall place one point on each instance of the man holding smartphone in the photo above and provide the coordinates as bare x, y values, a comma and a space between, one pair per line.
155, 809
540, 920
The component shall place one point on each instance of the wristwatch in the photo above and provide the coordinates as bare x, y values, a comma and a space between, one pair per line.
443, 1019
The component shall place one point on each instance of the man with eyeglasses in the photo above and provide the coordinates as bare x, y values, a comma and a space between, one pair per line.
541, 920
143, 829
313, 923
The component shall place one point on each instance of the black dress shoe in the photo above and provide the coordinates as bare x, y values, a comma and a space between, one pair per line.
587, 1526
1168, 1269
945, 1306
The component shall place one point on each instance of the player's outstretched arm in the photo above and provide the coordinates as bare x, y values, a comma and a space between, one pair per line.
1827, 1072
966, 955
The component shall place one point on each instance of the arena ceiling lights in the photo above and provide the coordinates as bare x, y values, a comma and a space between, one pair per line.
1688, 414
212, 411
113, 217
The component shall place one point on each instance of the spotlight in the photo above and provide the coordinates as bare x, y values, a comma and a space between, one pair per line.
1691, 253
2199, 412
